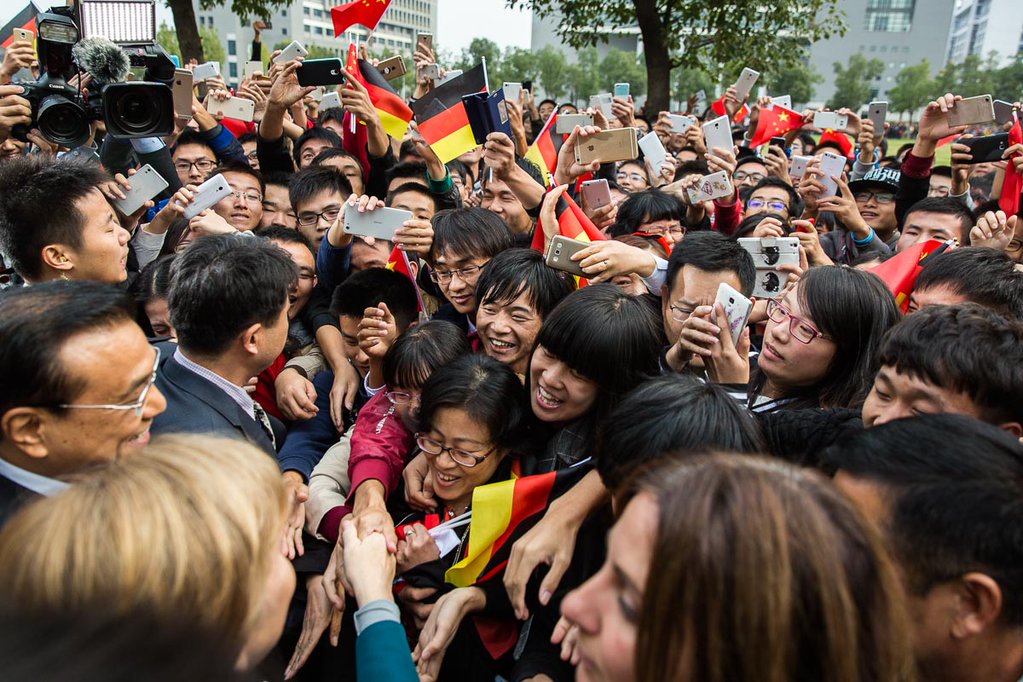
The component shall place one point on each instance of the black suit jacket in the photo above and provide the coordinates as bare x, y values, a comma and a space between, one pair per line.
12, 497
196, 405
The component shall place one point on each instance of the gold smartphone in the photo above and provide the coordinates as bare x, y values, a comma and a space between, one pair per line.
182, 90
619, 144
22, 34
972, 111
392, 68
559, 255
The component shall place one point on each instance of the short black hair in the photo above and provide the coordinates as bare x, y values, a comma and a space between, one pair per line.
954, 487
515, 272
334, 153
278, 178
313, 180
314, 133
221, 285
287, 235
712, 252
694, 167
35, 324
189, 136
153, 282
978, 274
406, 169
248, 137
367, 288
413, 187
941, 171
332, 114
471, 231
945, 206
964, 348
525, 165
38, 206
547, 101
646, 207
422, 349
672, 414
456, 167
795, 204
235, 166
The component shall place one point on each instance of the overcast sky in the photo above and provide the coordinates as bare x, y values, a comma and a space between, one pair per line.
459, 21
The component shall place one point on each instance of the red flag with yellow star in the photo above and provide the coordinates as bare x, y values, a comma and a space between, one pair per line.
775, 122
365, 12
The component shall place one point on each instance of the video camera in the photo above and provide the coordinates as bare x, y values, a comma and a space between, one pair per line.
63, 113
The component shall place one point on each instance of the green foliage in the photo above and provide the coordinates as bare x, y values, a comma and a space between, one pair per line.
553, 71
622, 67
247, 8
913, 88
796, 80
211, 45
686, 82
584, 76
853, 82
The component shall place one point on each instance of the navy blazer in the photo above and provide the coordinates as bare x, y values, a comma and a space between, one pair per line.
196, 405
12, 497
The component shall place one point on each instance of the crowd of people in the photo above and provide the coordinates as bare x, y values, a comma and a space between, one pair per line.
250, 445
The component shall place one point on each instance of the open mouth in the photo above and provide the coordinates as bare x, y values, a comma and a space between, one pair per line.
546, 399
139, 439
444, 480
501, 347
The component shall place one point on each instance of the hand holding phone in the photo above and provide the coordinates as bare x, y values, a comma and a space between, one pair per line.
743, 86
972, 111
206, 71
207, 195
560, 252
737, 309
292, 51
380, 223
830, 120
145, 184
597, 194
718, 134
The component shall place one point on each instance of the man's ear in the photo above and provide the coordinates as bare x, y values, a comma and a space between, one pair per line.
250, 338
413, 266
1015, 428
58, 257
978, 605
25, 427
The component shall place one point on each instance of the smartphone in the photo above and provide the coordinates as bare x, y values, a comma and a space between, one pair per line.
737, 309
380, 223
653, 151
145, 184
768, 254
831, 165
392, 68
209, 193
431, 72
559, 254
182, 89
782, 100
1003, 111
877, 112
617, 144
747, 79
798, 167
268, 25
252, 68
829, 120
971, 111
292, 51
680, 124
22, 34
204, 71
566, 123
512, 92
527, 86
713, 186
603, 101
621, 90
596, 193
718, 133
320, 72
238, 108
424, 40
331, 100
988, 148
778, 142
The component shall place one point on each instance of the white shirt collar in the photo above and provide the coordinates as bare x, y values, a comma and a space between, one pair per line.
35, 482
236, 393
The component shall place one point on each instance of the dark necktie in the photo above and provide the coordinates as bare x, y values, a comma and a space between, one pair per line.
263, 419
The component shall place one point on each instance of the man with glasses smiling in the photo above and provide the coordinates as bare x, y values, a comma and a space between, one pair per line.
76, 386
243, 208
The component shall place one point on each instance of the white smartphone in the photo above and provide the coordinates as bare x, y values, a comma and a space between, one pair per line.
205, 71
718, 134
238, 108
768, 254
653, 151
825, 120
596, 193
877, 112
450, 75
603, 101
145, 184
292, 51
680, 124
512, 91
431, 71
737, 309
566, 123
318, 93
798, 167
251, 69
210, 192
783, 100
831, 165
331, 100
701, 100
713, 186
747, 79
621, 90
379, 223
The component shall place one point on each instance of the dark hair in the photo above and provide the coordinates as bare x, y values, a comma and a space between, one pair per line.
809, 143
332, 114
795, 204
279, 178
367, 288
38, 206
471, 231
943, 172
189, 136
833, 144
420, 350
406, 169
314, 133
671, 414
646, 207
748, 225
456, 167
547, 101
408, 149
712, 252
945, 206
747, 160
35, 324
287, 235
526, 166
515, 272
695, 167
487, 390
313, 180
954, 508
413, 187
221, 285
153, 282
963, 348
248, 137
335, 153
978, 274
242, 167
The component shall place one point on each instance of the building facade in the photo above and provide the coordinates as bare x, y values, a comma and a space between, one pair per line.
544, 33
982, 27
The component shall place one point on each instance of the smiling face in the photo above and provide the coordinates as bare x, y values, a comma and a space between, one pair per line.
501, 201
459, 290
557, 393
103, 253
508, 330
879, 215
895, 395
787, 362
243, 209
768, 200
453, 483
303, 289
327, 202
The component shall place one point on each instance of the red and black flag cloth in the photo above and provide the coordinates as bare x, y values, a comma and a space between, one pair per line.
25, 19
442, 118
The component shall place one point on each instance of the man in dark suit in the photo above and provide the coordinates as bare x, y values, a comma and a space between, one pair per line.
76, 386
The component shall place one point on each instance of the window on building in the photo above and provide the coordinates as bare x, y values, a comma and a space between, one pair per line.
202, 21
319, 30
284, 31
317, 12
232, 48
306, 11
233, 69
889, 16
284, 12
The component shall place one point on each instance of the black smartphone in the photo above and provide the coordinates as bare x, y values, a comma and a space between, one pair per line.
320, 72
527, 85
988, 148
779, 142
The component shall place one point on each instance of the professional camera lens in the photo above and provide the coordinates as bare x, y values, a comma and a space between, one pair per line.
62, 121
138, 109
135, 111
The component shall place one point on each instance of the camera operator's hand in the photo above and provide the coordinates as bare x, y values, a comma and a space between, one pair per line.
14, 109
19, 55
250, 91
499, 154
624, 111
216, 84
568, 168
41, 144
114, 190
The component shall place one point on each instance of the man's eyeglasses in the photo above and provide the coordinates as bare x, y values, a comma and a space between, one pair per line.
680, 314
248, 197
880, 197
465, 274
252, 155
776, 206
676, 231
741, 175
801, 330
401, 398
461, 457
328, 214
202, 165
137, 407
635, 177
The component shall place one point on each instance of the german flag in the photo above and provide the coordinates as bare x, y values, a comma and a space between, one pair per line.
544, 150
394, 113
25, 19
899, 273
399, 263
442, 118
572, 223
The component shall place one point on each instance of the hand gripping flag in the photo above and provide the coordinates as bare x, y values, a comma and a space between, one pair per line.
544, 150
355, 137
775, 122
394, 113
1012, 186
718, 108
365, 12
443, 121
899, 273
572, 223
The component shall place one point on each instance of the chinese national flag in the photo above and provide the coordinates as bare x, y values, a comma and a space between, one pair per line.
718, 108
399, 263
365, 12
1012, 186
843, 141
899, 273
775, 122
394, 113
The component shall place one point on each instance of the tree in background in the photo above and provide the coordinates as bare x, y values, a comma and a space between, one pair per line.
972, 76
687, 82
553, 71
213, 49
726, 34
913, 88
621, 67
853, 82
192, 46
584, 76
796, 80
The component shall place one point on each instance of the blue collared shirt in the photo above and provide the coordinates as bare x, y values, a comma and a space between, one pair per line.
43, 485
